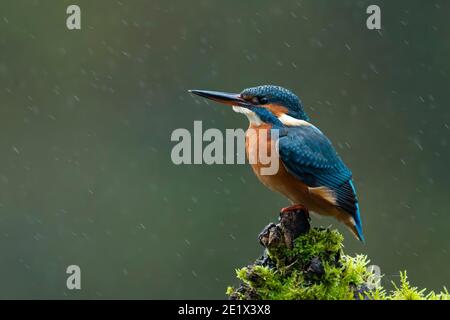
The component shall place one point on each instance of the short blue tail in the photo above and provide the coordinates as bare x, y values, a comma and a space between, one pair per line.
357, 217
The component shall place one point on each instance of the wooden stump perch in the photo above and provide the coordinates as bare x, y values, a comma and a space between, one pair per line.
291, 225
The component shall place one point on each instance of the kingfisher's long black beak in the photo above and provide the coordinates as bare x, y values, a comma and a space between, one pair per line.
232, 99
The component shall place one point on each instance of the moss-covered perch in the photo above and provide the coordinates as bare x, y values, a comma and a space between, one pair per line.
306, 263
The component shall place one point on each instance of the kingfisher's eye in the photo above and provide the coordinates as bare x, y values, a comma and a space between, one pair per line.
263, 100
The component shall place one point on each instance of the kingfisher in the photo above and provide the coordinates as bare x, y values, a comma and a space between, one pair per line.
311, 174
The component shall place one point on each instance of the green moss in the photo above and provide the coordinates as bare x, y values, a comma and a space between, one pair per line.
317, 268
317, 242
405, 291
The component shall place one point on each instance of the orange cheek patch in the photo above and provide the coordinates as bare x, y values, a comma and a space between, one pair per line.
276, 109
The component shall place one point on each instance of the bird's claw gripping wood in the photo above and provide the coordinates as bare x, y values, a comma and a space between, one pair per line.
296, 207
292, 223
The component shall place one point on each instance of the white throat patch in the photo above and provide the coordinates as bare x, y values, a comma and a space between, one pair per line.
252, 117
292, 122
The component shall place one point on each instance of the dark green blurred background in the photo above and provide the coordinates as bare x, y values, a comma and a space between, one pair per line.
86, 117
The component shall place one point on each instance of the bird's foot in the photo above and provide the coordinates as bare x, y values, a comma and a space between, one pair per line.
296, 208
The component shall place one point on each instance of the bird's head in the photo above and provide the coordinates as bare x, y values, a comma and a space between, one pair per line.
262, 104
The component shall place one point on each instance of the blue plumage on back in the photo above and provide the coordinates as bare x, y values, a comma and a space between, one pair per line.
308, 154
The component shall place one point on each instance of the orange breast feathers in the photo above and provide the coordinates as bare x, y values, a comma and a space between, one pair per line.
259, 146
280, 180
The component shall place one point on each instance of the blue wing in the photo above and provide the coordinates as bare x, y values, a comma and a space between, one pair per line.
308, 154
